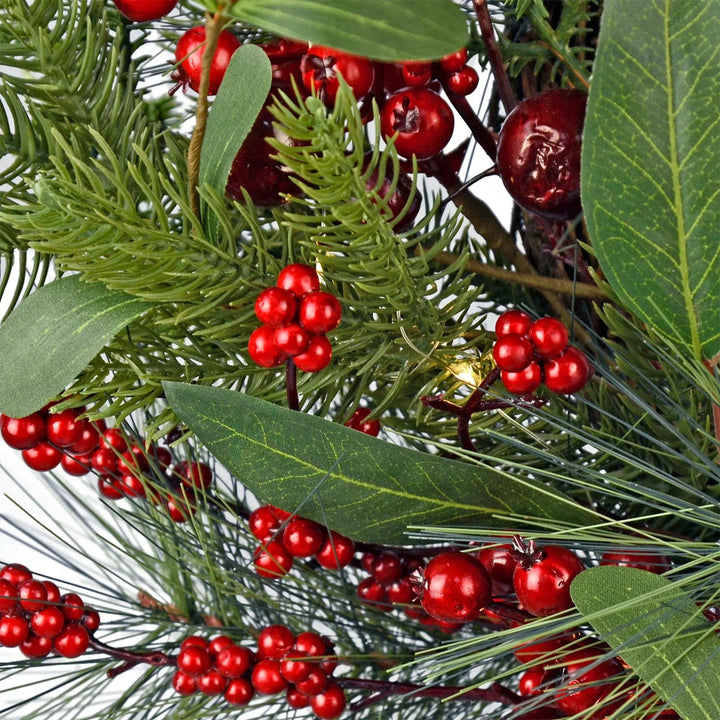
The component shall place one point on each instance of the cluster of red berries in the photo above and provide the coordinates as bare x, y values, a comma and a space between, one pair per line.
284, 537
36, 618
529, 353
301, 666
81, 447
295, 316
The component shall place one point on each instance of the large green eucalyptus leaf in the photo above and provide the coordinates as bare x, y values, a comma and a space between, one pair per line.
53, 334
651, 154
659, 631
359, 485
380, 29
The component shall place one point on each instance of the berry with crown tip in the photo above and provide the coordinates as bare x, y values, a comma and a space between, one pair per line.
321, 66
538, 153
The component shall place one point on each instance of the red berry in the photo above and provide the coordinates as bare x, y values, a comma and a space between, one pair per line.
53, 592
91, 620
524, 382
109, 488
13, 630
513, 322
337, 551
104, 461
36, 647
373, 593
549, 337
76, 465
321, 66
319, 312
317, 355
298, 279
33, 596
310, 644
275, 306
513, 353
500, 564
211, 683
314, 683
463, 82
273, 560
130, 486
530, 681
188, 55
296, 699
420, 120
72, 641
144, 10
291, 339
184, 684
330, 703
303, 537
567, 373
544, 652
538, 153
15, 573
239, 691
180, 509
266, 677
47, 622
400, 592
42, 457
359, 421
295, 670
417, 73
274, 641
197, 474
23, 433
233, 661
263, 523
196, 641
387, 567
194, 660
64, 429
88, 440
542, 578
455, 61
73, 607
455, 587
219, 643
643, 560
8, 595
113, 439
262, 348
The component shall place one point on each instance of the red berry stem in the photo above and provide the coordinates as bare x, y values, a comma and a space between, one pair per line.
507, 96
291, 385
130, 658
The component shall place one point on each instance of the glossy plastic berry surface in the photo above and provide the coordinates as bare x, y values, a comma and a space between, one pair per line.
239, 691
512, 322
275, 306
524, 381
463, 82
568, 372
262, 348
22, 433
266, 677
188, 54
513, 353
337, 551
317, 355
303, 537
421, 118
274, 641
330, 703
144, 10
298, 278
538, 154
273, 560
321, 66
319, 312
549, 337
359, 421
649, 561
455, 587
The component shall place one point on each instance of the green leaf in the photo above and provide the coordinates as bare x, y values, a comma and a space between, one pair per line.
359, 485
53, 334
651, 152
659, 631
239, 100
379, 29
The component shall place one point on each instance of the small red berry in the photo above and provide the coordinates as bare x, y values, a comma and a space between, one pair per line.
188, 55
184, 684
144, 10
358, 421
314, 683
321, 66
47, 622
64, 429
76, 465
263, 523
211, 683
239, 691
293, 668
275, 306
310, 644
330, 703
455, 587
513, 322
42, 457
22, 433
273, 560
218, 643
400, 592
196, 641
530, 681
549, 337
104, 461
319, 312
296, 699
15, 573
298, 279
568, 373
13, 630
262, 348
500, 564
72, 641
33, 596
53, 592
513, 353
91, 620
233, 661
266, 677
109, 488
303, 537
291, 339
8, 595
387, 567
73, 607
463, 81
36, 647
373, 593
274, 641
455, 61
197, 474
643, 560
417, 73
337, 551
524, 382
88, 439
317, 355
194, 660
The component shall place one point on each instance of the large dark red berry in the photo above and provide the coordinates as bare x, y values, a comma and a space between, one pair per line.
643, 560
420, 120
542, 577
188, 55
455, 587
144, 10
275, 306
538, 153
321, 66
396, 198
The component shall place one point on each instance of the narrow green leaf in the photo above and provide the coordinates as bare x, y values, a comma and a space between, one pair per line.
53, 334
360, 485
243, 91
659, 631
379, 29
651, 150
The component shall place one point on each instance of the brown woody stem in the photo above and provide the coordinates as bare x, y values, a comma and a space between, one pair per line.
130, 658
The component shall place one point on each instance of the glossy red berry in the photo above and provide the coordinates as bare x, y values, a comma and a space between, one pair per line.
72, 641
64, 429
47, 622
316, 357
195, 473
420, 121
542, 577
500, 564
188, 55
455, 587
91, 620
463, 81
76, 465
104, 461
194, 660
293, 668
319, 312
32, 596
109, 488
88, 440
13, 630
330, 703
296, 699
211, 683
387, 567
359, 421
36, 647
274, 641
549, 337
373, 593
512, 322
144, 10
454, 61
337, 551
291, 339
266, 677
217, 644
263, 523
299, 279
184, 684
262, 348
22, 433
310, 644
523, 382
8, 596
545, 652
513, 353
42, 457
417, 73
538, 153
130, 486
275, 306
233, 661
531, 680
314, 683
303, 537
567, 373
73, 607
239, 691
321, 66
273, 560
15, 573
642, 559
